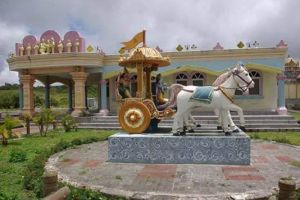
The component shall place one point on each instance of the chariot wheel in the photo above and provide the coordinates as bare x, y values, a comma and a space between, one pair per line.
134, 117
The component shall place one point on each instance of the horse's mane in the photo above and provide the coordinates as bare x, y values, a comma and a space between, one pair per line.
221, 79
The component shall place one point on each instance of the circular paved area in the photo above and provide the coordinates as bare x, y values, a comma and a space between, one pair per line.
87, 166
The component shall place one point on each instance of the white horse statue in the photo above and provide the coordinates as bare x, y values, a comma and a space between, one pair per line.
219, 98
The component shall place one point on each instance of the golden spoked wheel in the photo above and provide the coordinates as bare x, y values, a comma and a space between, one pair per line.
134, 117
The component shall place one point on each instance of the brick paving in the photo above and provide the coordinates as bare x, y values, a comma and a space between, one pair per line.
87, 166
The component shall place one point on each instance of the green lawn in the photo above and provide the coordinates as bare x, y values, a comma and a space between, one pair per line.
285, 137
14, 174
295, 115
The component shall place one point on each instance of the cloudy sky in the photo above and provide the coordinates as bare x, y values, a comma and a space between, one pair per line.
168, 23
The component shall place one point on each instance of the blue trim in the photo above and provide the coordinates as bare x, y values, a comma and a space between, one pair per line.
248, 97
214, 65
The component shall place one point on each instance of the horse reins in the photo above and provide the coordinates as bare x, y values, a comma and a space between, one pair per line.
236, 73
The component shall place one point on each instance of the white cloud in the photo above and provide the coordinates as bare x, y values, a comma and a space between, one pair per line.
168, 23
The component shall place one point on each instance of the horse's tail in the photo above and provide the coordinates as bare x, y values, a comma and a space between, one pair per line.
173, 92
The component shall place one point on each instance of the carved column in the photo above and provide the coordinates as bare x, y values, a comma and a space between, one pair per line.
70, 96
140, 81
104, 111
79, 79
281, 109
47, 93
21, 96
28, 104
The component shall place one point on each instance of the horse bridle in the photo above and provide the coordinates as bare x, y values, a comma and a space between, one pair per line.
237, 73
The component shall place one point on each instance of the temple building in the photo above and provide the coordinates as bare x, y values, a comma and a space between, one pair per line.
292, 82
52, 58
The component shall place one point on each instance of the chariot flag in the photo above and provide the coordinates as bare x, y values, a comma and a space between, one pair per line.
138, 38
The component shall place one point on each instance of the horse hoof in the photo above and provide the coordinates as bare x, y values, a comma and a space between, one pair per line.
227, 133
176, 134
219, 127
243, 128
191, 131
236, 131
182, 133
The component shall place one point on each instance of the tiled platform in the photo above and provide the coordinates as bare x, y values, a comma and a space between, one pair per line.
87, 167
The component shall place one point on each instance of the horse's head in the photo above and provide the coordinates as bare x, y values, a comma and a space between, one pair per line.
242, 78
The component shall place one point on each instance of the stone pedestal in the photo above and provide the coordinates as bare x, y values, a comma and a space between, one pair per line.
190, 149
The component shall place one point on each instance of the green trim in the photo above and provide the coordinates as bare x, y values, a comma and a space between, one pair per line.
248, 97
265, 68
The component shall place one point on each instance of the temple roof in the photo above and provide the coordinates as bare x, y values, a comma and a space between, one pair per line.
291, 62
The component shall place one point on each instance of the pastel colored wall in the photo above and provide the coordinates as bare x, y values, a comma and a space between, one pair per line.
265, 102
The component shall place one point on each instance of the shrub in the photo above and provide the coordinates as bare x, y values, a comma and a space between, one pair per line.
9, 100
69, 123
6, 128
17, 155
54, 102
43, 119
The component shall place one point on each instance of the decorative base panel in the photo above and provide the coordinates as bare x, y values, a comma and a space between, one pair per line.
191, 149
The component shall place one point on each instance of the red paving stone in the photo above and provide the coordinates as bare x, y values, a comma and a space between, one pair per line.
92, 163
240, 168
248, 177
260, 159
270, 147
284, 158
158, 171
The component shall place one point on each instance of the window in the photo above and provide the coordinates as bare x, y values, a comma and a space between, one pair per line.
256, 77
182, 79
198, 79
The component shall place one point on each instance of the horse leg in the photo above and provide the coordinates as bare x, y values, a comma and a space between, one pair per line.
225, 121
241, 115
188, 125
218, 113
233, 127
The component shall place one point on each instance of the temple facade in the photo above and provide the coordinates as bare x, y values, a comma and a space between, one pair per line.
52, 58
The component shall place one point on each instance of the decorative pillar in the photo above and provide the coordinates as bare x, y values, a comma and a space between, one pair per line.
47, 93
104, 111
79, 79
281, 109
86, 97
140, 81
148, 83
99, 95
28, 104
21, 96
70, 96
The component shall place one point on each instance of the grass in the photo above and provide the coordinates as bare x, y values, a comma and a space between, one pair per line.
295, 115
286, 137
12, 173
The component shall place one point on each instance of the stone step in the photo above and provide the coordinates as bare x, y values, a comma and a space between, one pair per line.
197, 117
209, 130
214, 121
208, 126
104, 124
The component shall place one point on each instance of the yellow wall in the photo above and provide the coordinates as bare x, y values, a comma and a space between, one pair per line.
269, 92
292, 90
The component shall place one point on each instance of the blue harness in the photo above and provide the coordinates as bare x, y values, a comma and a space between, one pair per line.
203, 94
